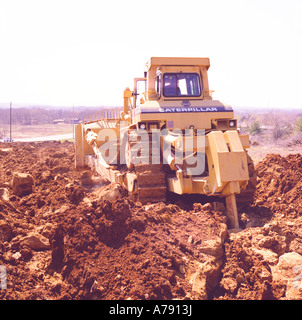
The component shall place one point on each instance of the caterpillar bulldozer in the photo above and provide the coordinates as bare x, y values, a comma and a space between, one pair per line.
170, 136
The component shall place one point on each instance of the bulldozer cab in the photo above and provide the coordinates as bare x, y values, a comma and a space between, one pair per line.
169, 79
177, 78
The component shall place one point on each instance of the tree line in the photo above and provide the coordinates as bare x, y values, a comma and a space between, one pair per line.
273, 126
38, 115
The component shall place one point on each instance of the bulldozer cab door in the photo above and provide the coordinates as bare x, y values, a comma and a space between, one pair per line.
140, 87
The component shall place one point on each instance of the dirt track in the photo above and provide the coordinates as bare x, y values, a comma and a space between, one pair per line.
73, 237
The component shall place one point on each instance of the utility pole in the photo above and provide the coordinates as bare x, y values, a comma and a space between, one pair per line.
10, 122
73, 122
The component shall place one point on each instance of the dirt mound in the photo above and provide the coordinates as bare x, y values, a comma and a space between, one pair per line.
67, 240
71, 236
280, 186
254, 257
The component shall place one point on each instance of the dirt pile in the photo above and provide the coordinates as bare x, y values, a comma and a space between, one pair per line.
258, 260
71, 236
280, 186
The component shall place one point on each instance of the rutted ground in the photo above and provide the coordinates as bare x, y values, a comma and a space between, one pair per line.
65, 234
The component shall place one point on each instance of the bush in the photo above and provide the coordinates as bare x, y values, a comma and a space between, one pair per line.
294, 140
255, 128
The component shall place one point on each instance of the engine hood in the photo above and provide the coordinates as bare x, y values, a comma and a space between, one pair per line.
182, 106
183, 114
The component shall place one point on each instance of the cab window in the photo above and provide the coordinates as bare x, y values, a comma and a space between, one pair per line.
141, 88
181, 85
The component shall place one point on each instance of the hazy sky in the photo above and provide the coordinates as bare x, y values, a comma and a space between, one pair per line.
85, 52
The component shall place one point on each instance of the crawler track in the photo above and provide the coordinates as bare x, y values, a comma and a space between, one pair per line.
150, 183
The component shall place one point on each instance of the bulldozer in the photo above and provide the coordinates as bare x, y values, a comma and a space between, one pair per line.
170, 136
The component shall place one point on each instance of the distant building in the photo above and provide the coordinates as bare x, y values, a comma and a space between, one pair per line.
72, 120
267, 127
58, 121
8, 139
68, 120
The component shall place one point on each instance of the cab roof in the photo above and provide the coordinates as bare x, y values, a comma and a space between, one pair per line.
177, 61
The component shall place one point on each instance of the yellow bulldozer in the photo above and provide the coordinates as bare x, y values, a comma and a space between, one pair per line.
169, 136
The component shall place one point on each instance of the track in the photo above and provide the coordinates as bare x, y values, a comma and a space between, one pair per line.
151, 183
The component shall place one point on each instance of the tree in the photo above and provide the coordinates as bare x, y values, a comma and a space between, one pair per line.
279, 126
255, 128
298, 126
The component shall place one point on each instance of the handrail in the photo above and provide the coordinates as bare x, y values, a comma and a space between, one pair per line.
104, 114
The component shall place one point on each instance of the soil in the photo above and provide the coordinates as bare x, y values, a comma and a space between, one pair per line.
90, 241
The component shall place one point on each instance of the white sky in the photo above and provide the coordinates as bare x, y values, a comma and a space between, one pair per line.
85, 52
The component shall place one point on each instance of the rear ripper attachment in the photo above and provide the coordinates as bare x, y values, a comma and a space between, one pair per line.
173, 101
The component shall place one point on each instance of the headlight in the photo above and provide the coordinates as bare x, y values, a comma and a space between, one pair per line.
232, 123
142, 126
